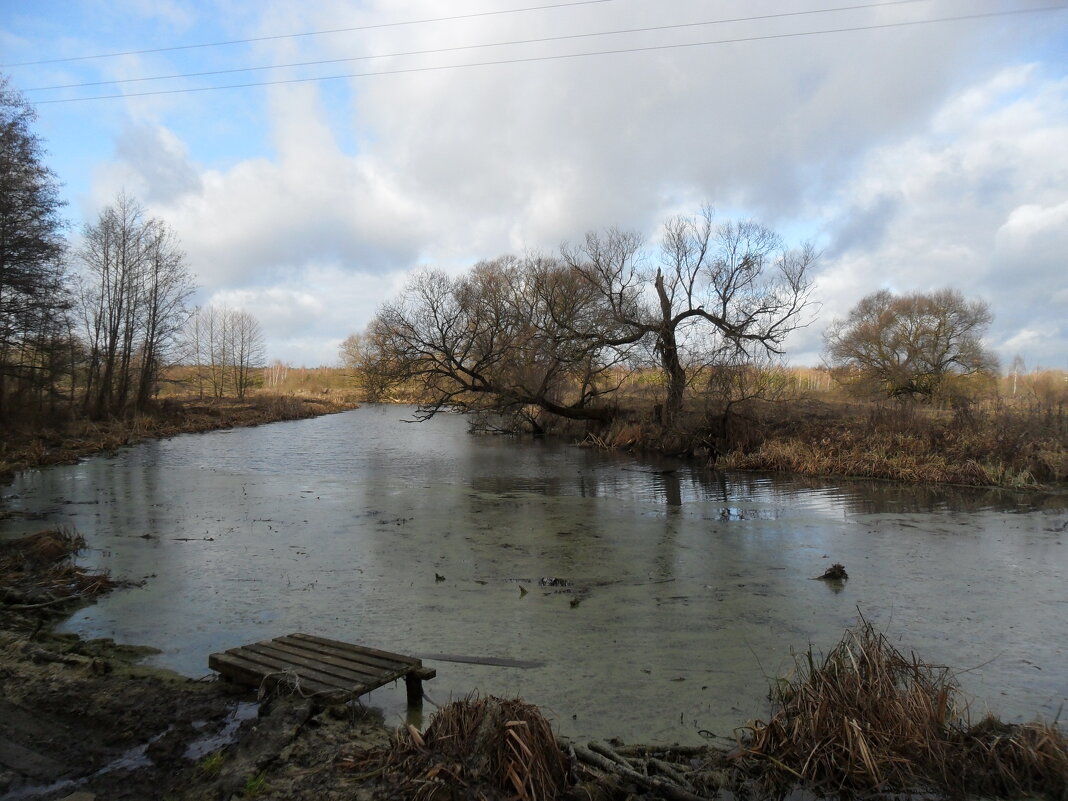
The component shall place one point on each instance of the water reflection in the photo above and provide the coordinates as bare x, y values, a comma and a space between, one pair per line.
691, 586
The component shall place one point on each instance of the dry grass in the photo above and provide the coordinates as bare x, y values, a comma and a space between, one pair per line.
477, 748
37, 571
1003, 448
868, 719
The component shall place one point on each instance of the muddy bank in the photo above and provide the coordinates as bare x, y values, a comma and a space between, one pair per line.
84, 716
83, 719
28, 446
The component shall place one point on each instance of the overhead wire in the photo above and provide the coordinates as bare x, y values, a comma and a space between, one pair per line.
251, 40
458, 48
564, 56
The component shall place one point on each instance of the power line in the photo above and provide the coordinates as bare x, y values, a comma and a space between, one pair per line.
476, 46
560, 57
307, 33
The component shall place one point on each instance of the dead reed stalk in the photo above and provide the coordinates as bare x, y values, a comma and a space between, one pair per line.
868, 719
38, 571
479, 747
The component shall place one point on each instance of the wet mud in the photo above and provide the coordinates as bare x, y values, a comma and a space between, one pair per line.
85, 717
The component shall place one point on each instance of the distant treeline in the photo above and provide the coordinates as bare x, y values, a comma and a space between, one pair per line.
86, 328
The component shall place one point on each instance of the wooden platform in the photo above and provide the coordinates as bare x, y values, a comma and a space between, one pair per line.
331, 670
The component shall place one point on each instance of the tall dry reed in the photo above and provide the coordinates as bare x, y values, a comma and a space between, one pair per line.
868, 719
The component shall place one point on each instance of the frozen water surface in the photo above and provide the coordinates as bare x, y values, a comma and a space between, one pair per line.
692, 587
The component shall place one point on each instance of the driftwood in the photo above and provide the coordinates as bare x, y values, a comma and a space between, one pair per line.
663, 750
495, 661
835, 572
671, 784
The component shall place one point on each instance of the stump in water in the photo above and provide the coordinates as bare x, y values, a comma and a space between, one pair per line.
835, 572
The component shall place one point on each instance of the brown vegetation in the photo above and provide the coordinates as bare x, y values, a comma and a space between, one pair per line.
474, 748
1002, 446
37, 572
869, 719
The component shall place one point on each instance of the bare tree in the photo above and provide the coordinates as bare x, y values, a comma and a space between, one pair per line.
245, 349
1018, 367
166, 286
716, 294
226, 348
132, 299
511, 333
909, 346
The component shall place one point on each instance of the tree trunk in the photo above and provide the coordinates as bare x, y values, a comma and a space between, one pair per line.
668, 348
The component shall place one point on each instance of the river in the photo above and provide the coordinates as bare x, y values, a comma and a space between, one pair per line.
692, 587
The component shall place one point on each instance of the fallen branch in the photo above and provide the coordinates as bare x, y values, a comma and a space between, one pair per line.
666, 788
53, 602
605, 751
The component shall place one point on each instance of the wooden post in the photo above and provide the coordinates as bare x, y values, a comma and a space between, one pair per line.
414, 684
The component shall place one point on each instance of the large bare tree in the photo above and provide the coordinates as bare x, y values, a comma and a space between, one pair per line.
510, 333
554, 333
715, 294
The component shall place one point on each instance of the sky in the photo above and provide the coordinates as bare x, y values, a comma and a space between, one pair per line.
919, 144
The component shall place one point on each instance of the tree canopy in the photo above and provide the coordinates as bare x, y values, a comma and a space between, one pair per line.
33, 298
551, 332
909, 346
509, 333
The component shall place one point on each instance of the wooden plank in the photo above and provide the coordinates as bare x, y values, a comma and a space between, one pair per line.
251, 673
350, 653
348, 665
325, 667
255, 668
271, 664
359, 649
342, 676
495, 661
373, 659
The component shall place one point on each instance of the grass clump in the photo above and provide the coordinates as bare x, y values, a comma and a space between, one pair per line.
867, 719
256, 786
478, 747
212, 763
38, 571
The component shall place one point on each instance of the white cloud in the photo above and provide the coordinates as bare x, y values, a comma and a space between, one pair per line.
305, 317
927, 155
978, 201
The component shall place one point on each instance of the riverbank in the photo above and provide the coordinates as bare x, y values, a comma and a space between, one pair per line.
28, 446
1004, 447
83, 719
83, 716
